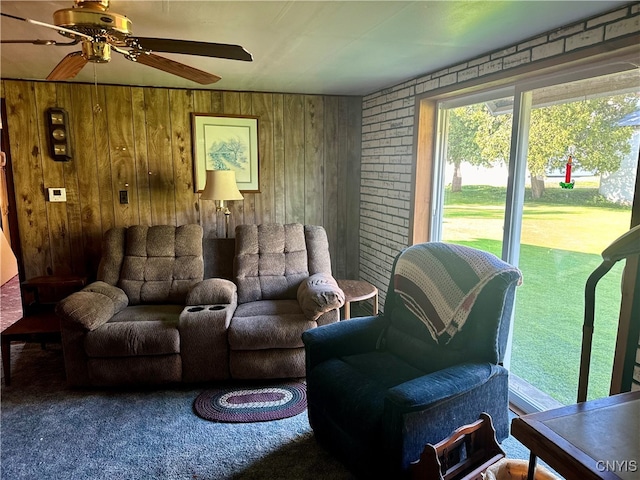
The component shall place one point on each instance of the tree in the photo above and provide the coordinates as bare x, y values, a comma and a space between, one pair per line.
476, 137
590, 126
228, 153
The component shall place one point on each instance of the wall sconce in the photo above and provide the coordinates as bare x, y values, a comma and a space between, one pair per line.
221, 185
59, 141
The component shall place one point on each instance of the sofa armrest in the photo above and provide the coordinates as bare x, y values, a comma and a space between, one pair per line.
426, 391
213, 291
318, 294
347, 337
92, 306
117, 295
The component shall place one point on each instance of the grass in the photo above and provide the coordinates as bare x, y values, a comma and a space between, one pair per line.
562, 238
586, 193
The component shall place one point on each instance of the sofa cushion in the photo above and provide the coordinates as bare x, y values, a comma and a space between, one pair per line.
268, 324
168, 314
160, 263
271, 261
137, 331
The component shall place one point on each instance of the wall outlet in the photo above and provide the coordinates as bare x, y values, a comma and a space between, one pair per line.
124, 196
57, 194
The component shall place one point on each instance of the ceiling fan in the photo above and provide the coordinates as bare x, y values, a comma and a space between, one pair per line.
99, 32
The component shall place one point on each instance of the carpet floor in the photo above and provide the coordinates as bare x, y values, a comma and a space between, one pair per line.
51, 432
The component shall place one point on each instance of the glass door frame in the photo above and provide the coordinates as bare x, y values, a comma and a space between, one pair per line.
522, 93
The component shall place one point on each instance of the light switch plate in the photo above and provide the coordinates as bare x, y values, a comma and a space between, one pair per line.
57, 194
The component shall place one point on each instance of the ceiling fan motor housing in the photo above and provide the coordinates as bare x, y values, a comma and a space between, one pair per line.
97, 4
91, 18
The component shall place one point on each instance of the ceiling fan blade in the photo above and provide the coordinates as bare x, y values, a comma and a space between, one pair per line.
188, 47
68, 67
43, 42
48, 25
178, 69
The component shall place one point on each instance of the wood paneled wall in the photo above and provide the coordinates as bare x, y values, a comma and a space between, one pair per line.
139, 139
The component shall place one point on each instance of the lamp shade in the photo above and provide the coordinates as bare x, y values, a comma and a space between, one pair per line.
221, 185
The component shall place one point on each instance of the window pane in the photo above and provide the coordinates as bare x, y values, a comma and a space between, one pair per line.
477, 153
582, 162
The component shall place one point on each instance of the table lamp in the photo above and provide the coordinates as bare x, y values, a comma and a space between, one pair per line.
221, 186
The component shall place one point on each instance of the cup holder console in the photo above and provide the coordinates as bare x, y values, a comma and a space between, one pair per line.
199, 309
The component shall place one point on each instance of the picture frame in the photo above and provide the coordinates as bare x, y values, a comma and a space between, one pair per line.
226, 142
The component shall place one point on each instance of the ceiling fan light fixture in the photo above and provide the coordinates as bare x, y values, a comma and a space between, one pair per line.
98, 51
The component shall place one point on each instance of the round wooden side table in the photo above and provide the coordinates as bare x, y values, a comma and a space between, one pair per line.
356, 291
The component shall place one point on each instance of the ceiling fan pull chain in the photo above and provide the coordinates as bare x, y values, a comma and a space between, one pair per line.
97, 108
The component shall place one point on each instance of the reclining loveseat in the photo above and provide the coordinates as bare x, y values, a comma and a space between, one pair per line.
151, 317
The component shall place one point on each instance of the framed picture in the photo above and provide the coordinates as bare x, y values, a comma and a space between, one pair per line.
226, 142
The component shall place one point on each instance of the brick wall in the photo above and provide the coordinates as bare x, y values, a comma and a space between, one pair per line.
388, 124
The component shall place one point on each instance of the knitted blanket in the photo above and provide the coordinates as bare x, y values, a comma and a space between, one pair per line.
440, 282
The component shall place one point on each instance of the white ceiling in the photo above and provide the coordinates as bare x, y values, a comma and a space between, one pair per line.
326, 47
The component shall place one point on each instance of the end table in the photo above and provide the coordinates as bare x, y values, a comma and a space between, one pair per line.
355, 291
39, 323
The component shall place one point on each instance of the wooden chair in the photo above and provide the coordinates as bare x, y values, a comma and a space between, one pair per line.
462, 456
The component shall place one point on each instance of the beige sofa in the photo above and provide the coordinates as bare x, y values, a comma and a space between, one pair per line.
152, 318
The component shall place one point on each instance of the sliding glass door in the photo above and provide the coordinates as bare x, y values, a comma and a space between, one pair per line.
581, 165
544, 178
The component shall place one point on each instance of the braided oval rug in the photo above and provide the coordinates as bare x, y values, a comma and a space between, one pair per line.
258, 403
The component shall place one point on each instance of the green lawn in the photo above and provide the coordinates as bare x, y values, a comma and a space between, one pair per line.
562, 239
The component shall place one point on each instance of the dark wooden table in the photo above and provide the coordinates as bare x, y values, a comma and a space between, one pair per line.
39, 323
45, 291
356, 291
599, 439
42, 327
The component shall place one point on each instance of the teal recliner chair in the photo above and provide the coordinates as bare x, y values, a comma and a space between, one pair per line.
380, 388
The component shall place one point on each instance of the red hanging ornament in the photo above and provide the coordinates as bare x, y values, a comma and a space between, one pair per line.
568, 183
